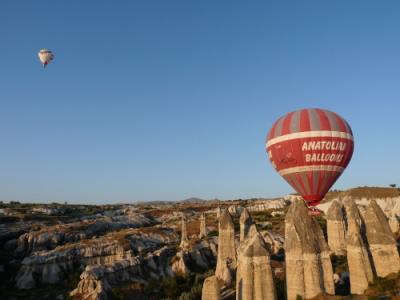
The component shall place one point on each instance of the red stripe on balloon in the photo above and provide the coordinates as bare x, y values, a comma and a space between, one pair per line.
329, 179
320, 182
315, 180
341, 123
310, 179
324, 121
295, 183
304, 120
301, 183
291, 182
286, 124
273, 129
306, 181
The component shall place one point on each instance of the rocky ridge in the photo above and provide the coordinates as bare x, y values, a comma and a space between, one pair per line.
47, 265
50, 237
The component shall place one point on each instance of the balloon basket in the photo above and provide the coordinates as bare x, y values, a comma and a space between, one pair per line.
313, 212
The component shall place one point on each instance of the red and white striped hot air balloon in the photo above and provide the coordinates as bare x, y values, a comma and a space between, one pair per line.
45, 57
310, 148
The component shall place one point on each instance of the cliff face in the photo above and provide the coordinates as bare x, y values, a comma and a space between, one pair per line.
226, 245
381, 241
308, 265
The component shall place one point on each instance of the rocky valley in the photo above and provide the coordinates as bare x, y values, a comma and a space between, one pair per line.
239, 249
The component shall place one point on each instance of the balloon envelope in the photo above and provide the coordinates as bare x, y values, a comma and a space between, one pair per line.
310, 148
45, 56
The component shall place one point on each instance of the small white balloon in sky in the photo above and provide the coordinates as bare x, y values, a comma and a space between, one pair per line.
45, 56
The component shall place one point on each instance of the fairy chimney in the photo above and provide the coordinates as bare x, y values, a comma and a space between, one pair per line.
308, 266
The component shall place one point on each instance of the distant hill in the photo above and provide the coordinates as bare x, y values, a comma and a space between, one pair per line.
193, 200
155, 202
358, 192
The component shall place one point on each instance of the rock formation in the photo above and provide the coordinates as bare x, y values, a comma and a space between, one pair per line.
274, 240
49, 266
353, 213
336, 228
225, 276
393, 223
184, 239
264, 205
226, 246
96, 281
49, 237
179, 266
211, 289
245, 222
218, 212
308, 265
360, 269
203, 226
389, 201
91, 287
382, 245
254, 280
233, 210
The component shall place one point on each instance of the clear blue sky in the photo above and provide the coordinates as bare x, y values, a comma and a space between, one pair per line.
163, 100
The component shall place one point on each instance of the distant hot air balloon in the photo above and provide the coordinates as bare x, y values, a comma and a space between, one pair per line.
310, 148
45, 56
